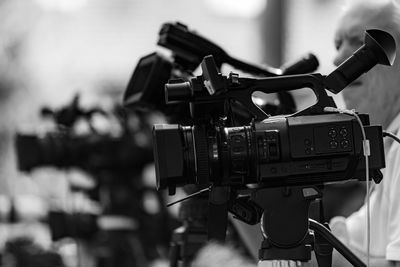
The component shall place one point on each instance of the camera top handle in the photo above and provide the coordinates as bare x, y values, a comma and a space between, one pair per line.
379, 48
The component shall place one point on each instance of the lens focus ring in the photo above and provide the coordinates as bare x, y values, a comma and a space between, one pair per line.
202, 162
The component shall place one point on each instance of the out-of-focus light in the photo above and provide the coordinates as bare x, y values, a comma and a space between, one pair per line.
62, 5
237, 8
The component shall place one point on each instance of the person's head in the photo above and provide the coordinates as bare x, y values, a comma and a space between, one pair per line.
378, 91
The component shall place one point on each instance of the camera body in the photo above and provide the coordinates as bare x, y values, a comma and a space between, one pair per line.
280, 151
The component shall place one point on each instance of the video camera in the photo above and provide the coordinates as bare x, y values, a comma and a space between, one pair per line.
145, 91
89, 152
145, 88
123, 224
281, 160
92, 152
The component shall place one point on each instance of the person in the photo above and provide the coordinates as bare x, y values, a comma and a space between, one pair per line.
376, 93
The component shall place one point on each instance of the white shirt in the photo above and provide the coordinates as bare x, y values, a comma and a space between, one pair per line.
384, 210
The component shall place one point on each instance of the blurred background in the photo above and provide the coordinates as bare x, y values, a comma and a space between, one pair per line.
51, 50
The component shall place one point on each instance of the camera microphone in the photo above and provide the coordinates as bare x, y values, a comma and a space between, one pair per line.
308, 63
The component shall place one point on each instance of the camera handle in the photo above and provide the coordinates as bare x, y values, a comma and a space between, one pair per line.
286, 227
379, 48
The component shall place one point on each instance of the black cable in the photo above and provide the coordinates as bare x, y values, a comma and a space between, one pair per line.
189, 196
392, 136
336, 243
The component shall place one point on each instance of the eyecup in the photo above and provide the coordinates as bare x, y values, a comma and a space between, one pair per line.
379, 48
383, 45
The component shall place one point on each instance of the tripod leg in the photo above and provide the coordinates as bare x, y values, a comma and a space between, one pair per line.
342, 249
218, 213
323, 250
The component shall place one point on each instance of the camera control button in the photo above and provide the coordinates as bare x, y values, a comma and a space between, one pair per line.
343, 132
333, 144
332, 133
344, 143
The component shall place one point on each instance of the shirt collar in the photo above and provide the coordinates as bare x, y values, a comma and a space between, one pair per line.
394, 125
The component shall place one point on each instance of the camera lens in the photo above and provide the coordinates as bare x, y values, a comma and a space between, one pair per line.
36, 151
172, 144
198, 155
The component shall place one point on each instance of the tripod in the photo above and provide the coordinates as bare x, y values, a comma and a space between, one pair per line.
286, 227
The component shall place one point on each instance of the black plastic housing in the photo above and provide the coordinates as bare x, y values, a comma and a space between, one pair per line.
280, 151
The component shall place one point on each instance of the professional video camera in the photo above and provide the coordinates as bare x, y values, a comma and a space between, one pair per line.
145, 91
283, 159
145, 88
115, 160
92, 152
